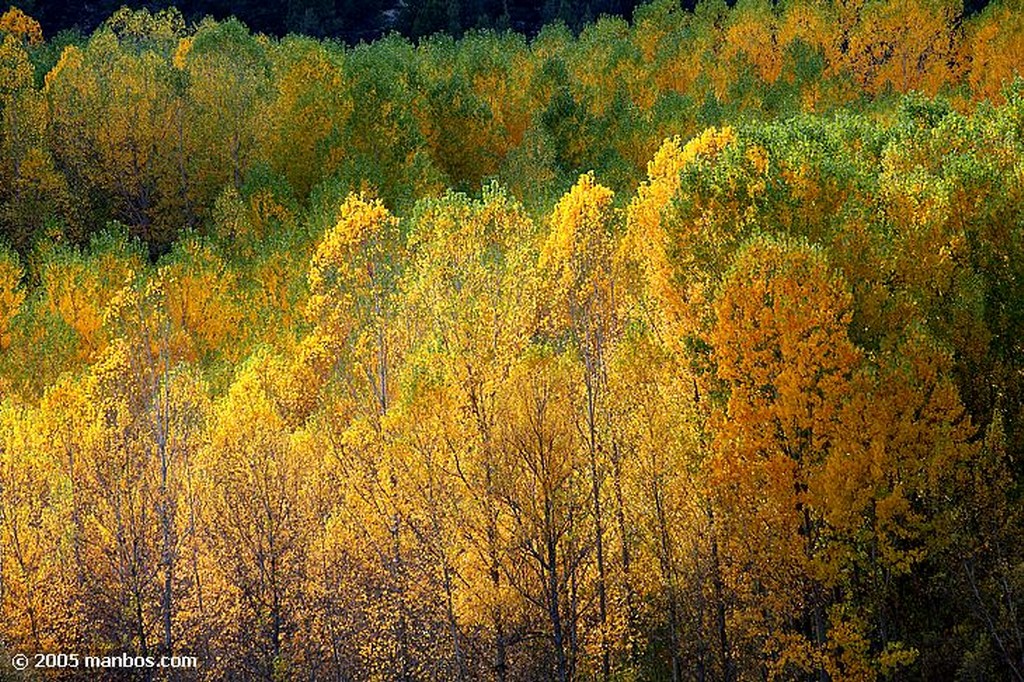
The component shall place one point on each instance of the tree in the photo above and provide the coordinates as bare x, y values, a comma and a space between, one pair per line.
990, 38
470, 295
11, 295
113, 106
228, 76
34, 191
21, 26
782, 352
78, 286
904, 46
307, 113
200, 299
256, 520
541, 486
577, 257
352, 281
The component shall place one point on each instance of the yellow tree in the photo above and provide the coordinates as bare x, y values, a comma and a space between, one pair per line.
119, 433
904, 45
351, 289
577, 261
668, 247
425, 453
669, 591
309, 109
355, 342
79, 286
122, 531
542, 486
672, 61
21, 26
99, 468
33, 190
677, 258
11, 296
255, 527
782, 354
166, 410
130, 460
199, 299
751, 34
180, 412
64, 421
112, 109
33, 591
885, 493
470, 298
992, 38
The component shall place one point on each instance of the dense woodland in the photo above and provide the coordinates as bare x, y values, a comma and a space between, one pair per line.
353, 20
685, 348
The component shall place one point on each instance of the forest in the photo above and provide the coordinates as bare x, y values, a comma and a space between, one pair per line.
353, 20
683, 347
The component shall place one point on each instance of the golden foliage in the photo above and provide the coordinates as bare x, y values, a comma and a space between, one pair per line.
19, 25
11, 295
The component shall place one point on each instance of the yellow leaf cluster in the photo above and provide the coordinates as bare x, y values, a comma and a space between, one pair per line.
19, 25
351, 254
579, 237
16, 72
11, 295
